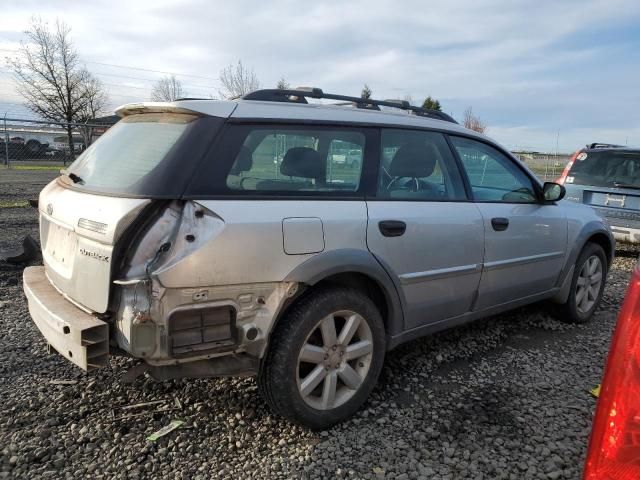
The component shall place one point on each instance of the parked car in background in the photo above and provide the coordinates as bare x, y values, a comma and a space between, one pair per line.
348, 157
614, 447
18, 149
12, 149
607, 177
61, 144
180, 238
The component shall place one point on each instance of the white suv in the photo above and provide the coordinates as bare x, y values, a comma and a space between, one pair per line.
214, 238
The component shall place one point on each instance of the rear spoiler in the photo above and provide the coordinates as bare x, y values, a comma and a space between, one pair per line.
214, 108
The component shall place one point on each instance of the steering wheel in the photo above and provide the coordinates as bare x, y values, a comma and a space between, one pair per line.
412, 184
519, 194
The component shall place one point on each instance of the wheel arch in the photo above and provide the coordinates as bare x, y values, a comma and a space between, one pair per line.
594, 232
607, 244
355, 269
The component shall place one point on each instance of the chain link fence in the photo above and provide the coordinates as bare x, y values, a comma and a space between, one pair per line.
548, 166
29, 141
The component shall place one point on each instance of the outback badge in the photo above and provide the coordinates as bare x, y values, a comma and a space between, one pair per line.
97, 256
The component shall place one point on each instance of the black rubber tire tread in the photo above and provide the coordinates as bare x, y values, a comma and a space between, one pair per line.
277, 376
568, 312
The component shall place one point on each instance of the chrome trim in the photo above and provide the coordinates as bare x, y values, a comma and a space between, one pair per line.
609, 199
416, 277
130, 281
510, 262
92, 225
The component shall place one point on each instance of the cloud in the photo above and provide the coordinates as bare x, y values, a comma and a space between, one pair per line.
528, 68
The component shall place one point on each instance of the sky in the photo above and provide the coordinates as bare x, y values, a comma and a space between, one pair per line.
541, 74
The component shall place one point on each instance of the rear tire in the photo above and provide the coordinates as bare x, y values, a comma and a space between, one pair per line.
587, 285
324, 358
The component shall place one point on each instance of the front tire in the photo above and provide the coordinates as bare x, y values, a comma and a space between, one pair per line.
324, 358
587, 285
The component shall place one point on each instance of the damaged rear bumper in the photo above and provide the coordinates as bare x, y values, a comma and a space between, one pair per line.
80, 337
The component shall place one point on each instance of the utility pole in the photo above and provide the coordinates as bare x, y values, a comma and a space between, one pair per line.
6, 142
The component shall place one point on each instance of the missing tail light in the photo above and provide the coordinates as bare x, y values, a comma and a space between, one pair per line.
614, 448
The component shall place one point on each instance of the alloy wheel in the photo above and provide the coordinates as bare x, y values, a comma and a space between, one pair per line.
334, 360
588, 284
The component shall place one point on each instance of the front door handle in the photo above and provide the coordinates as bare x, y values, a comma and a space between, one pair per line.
500, 224
392, 228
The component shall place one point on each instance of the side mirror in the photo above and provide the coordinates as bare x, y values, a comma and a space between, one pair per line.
552, 192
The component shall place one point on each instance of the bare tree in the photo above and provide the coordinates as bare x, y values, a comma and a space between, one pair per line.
282, 84
408, 98
237, 80
52, 80
472, 122
94, 107
167, 89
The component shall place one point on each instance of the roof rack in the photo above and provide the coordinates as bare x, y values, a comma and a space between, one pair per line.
184, 99
300, 95
604, 145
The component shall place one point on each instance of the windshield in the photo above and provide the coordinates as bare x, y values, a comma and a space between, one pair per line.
130, 154
607, 168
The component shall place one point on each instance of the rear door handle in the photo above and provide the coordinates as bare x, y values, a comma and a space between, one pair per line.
499, 224
392, 228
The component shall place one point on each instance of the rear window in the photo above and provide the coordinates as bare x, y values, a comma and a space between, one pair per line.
606, 168
151, 155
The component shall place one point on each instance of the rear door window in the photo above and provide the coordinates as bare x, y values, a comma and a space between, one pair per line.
606, 169
296, 160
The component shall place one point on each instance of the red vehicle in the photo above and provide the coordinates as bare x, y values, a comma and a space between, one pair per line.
614, 447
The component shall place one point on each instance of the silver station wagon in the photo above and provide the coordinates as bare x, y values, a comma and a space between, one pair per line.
297, 242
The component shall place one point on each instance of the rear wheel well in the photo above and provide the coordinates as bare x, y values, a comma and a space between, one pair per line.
362, 283
356, 280
604, 241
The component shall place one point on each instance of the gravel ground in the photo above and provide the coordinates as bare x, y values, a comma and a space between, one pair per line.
503, 398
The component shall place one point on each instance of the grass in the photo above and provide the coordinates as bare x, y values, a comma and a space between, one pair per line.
35, 167
13, 204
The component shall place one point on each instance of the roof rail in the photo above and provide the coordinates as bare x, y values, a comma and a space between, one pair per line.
184, 99
604, 145
300, 95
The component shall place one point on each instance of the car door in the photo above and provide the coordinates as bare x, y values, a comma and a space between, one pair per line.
525, 239
423, 229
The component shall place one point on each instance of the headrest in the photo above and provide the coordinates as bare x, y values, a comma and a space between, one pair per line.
243, 163
302, 162
414, 160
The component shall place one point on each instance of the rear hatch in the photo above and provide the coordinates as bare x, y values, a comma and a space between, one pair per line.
83, 213
608, 180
